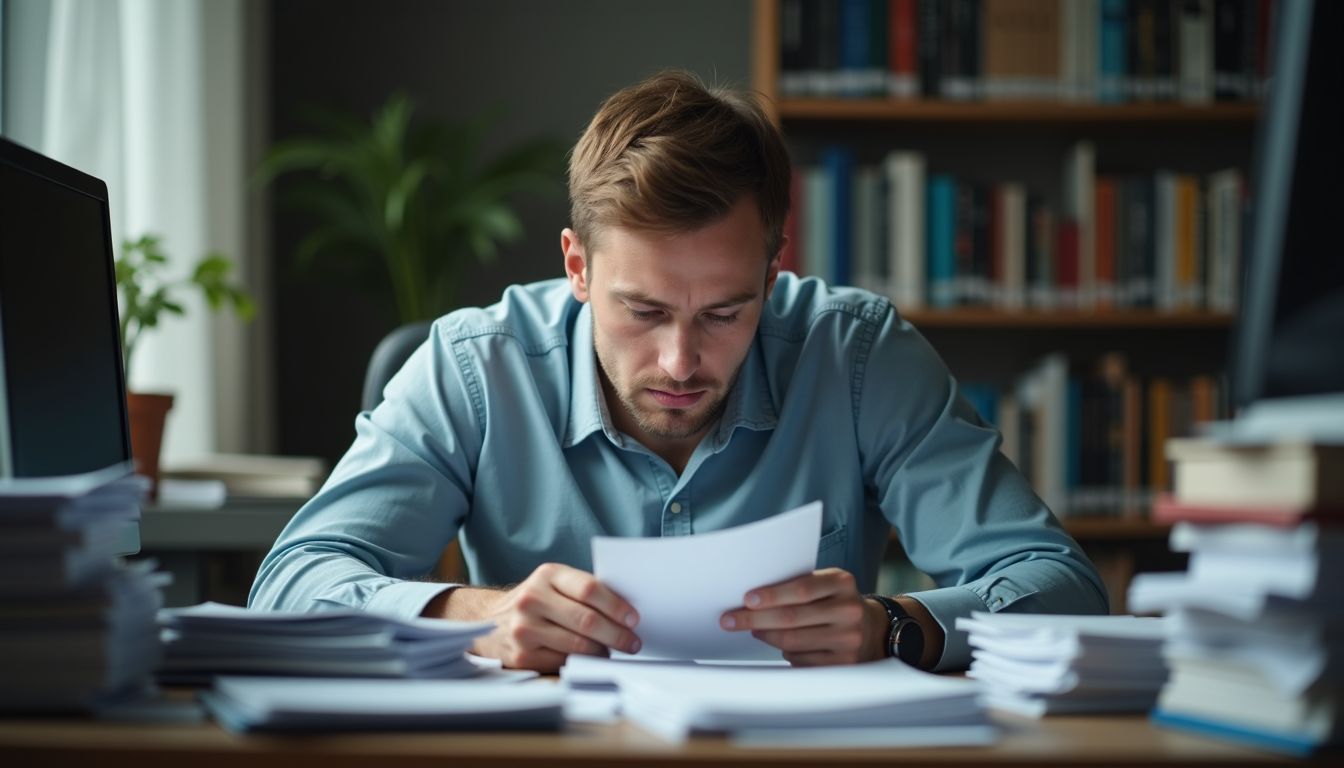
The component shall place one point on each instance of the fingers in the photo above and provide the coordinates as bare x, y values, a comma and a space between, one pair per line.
804, 589
555, 612
584, 587
821, 613
591, 610
804, 601
815, 619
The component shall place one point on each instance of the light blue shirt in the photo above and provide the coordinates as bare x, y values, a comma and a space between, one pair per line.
496, 431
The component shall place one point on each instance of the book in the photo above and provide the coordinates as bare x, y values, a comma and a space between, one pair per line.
254, 475
1195, 50
1288, 474
903, 49
906, 232
1166, 509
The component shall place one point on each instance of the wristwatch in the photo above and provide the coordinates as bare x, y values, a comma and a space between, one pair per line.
905, 637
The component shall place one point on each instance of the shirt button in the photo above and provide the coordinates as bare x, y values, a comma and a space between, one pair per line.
676, 507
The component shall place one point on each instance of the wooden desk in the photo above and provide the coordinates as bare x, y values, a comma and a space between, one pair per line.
1098, 742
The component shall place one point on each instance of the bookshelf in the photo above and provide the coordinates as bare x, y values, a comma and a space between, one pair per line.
1115, 319
1028, 141
1049, 113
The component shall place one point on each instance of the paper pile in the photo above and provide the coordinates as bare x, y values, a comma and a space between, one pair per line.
1036, 665
210, 639
77, 625
1255, 643
883, 703
307, 704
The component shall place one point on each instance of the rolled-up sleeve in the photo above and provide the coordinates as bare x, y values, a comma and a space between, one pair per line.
374, 532
963, 512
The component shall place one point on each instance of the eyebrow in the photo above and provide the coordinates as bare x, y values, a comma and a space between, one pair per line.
639, 297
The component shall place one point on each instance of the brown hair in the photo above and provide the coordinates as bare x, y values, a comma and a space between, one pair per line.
670, 155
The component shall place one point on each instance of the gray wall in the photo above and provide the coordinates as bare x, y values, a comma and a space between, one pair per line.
547, 64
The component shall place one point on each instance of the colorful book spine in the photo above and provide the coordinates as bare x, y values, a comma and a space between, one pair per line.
941, 230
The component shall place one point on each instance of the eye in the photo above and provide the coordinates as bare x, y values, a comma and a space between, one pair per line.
721, 319
643, 314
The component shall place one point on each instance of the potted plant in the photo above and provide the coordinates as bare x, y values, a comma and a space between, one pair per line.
416, 195
145, 297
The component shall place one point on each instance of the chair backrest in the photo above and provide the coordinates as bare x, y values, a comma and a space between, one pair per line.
388, 357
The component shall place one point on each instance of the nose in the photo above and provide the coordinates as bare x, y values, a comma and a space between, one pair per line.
680, 354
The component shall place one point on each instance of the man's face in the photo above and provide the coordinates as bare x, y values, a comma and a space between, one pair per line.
673, 318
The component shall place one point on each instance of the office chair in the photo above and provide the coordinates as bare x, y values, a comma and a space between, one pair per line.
388, 357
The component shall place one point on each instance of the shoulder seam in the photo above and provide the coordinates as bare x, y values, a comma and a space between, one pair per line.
868, 312
533, 350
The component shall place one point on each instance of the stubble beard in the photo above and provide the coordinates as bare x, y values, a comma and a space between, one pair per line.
668, 423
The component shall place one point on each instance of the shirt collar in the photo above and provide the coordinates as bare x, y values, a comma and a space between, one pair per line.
587, 407
749, 404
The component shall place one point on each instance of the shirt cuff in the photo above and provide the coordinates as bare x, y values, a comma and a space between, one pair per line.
946, 605
406, 599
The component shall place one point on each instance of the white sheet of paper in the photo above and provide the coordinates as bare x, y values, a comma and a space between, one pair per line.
682, 585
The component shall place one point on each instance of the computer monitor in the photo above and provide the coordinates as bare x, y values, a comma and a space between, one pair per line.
1289, 342
62, 387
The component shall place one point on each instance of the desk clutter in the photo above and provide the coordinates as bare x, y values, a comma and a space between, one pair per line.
1254, 625
77, 625
880, 703
203, 641
245, 704
1036, 665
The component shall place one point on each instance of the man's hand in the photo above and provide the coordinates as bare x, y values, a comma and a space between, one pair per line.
556, 611
815, 619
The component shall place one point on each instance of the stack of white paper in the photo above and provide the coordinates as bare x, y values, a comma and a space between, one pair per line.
1254, 645
77, 625
880, 703
212, 639
307, 704
1038, 664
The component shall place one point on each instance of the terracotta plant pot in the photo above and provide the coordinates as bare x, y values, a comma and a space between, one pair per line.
148, 413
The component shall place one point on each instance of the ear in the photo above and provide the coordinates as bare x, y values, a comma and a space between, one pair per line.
576, 263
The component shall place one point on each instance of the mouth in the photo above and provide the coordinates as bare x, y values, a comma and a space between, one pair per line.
674, 400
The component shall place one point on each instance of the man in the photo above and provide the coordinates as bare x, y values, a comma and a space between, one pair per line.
676, 382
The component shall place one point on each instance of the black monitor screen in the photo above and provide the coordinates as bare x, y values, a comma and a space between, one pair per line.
64, 394
1290, 340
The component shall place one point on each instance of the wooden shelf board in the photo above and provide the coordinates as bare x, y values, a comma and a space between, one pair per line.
998, 112
1114, 528
1119, 318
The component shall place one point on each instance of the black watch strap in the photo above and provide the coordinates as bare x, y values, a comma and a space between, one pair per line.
905, 637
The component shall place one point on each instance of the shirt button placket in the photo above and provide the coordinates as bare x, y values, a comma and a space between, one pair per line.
678, 519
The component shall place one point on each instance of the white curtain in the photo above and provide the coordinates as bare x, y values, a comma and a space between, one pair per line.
148, 96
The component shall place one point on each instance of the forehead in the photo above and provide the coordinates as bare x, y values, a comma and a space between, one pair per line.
724, 257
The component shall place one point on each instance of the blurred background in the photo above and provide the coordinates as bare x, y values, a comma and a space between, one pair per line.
176, 102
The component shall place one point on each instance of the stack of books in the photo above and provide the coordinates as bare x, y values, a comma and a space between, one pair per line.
211, 480
1036, 665
77, 625
210, 639
1255, 643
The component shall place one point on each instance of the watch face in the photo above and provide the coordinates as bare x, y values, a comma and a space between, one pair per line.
907, 640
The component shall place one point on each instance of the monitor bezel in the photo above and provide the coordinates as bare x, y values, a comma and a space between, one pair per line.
27, 161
